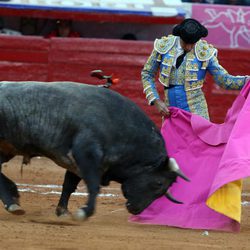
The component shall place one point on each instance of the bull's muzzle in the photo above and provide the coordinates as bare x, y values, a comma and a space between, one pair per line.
132, 210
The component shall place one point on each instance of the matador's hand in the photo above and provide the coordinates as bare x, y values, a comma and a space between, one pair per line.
162, 108
247, 79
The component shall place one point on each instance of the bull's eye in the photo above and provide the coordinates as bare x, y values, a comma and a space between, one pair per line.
158, 184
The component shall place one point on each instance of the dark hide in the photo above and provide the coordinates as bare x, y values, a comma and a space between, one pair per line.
95, 133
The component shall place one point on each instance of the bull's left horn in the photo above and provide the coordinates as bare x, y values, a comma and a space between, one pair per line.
171, 198
173, 165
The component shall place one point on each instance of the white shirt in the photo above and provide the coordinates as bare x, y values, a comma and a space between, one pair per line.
179, 50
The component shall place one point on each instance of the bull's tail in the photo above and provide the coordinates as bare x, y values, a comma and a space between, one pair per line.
100, 75
25, 162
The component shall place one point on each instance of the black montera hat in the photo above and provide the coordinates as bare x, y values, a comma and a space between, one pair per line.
190, 30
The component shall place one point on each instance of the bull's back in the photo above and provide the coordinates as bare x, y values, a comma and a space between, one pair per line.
48, 114
34, 114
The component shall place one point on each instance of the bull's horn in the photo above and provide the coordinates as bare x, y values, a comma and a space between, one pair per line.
173, 165
171, 198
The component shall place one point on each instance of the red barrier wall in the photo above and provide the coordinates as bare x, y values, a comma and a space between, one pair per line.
36, 58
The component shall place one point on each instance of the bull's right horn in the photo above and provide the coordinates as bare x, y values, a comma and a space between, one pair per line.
173, 165
171, 198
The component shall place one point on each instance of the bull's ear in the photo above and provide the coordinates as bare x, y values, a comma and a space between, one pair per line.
173, 166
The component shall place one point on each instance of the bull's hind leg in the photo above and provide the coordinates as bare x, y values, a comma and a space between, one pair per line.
69, 186
12, 187
88, 158
9, 195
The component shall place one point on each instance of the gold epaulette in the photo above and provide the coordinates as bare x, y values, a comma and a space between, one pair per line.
164, 44
204, 51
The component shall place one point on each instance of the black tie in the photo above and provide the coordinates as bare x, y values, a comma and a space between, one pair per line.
180, 59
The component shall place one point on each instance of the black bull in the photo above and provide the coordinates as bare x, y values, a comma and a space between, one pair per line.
96, 134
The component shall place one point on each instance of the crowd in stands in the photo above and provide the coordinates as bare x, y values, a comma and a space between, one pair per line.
230, 2
50, 28
63, 29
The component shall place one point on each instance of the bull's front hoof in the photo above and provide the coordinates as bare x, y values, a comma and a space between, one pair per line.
60, 212
15, 209
16, 200
80, 215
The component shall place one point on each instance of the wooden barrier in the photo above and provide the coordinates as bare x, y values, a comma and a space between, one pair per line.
63, 59
23, 58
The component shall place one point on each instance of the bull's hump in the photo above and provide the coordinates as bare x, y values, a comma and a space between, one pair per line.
67, 90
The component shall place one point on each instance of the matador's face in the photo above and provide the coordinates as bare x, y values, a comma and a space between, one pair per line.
186, 46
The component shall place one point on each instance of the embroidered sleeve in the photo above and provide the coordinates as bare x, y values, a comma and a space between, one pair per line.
222, 77
148, 76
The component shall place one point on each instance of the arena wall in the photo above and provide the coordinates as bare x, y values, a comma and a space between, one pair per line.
29, 58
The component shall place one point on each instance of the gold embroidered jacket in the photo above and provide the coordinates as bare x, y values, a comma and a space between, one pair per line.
201, 59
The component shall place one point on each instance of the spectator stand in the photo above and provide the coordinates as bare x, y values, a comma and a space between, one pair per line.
100, 19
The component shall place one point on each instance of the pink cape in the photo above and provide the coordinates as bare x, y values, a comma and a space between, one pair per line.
211, 155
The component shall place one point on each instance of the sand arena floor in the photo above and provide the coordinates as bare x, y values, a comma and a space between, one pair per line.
108, 229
